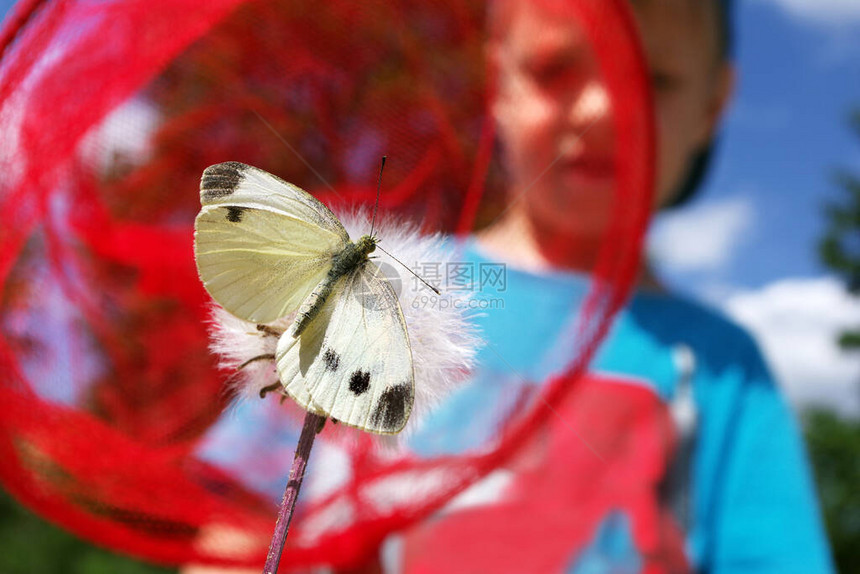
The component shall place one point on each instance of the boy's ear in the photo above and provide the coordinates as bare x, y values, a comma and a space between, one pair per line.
721, 95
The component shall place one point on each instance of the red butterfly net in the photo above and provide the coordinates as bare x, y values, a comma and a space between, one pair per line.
110, 111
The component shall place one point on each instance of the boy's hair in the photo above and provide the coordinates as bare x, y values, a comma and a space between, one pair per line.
702, 160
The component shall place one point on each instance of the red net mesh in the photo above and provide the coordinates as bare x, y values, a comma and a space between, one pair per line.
110, 111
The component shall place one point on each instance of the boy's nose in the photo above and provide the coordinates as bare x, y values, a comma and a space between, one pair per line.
587, 121
590, 106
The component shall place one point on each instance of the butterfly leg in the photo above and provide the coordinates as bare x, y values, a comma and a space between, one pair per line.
267, 357
269, 331
270, 389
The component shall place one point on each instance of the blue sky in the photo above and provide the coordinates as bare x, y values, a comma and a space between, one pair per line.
799, 75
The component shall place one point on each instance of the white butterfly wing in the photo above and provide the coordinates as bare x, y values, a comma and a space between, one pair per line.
235, 183
261, 244
353, 362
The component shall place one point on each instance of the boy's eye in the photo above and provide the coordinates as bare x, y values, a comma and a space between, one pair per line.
546, 71
664, 82
554, 71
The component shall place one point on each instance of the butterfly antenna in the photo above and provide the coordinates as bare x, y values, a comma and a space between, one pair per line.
410, 270
376, 205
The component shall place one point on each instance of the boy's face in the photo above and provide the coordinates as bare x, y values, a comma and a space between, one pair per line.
554, 116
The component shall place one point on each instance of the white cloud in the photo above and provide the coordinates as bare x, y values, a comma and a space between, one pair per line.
701, 238
797, 322
829, 12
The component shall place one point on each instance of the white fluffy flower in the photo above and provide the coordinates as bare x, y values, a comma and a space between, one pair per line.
443, 338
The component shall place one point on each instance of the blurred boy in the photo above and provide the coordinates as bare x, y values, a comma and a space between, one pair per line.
710, 474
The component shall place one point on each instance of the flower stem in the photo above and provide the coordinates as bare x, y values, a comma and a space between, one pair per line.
313, 424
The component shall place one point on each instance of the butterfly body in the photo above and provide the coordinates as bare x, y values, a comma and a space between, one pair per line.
266, 249
353, 255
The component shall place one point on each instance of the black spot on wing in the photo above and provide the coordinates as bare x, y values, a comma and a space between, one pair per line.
359, 382
234, 213
221, 180
393, 408
331, 360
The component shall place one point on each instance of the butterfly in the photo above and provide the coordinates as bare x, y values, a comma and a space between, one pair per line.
266, 249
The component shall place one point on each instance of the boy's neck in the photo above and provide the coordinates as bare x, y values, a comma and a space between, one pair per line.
515, 241
518, 242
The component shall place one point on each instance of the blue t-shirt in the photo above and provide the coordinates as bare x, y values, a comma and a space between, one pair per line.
751, 505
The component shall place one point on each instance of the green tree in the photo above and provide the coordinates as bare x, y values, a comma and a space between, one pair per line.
840, 246
834, 450
834, 442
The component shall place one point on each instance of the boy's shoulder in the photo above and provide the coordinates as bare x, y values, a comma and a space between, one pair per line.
716, 340
679, 313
